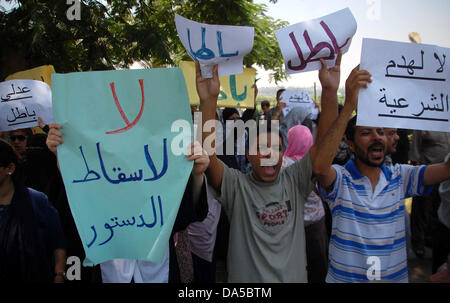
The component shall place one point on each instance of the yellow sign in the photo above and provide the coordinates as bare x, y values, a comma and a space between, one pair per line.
42, 73
235, 90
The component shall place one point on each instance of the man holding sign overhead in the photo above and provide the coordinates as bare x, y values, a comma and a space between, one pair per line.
366, 198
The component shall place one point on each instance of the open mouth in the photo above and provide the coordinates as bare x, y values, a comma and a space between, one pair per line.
269, 170
376, 152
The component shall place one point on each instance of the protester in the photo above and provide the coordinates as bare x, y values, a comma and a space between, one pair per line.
276, 113
300, 140
365, 197
19, 140
32, 245
265, 106
193, 207
202, 237
427, 147
265, 207
441, 232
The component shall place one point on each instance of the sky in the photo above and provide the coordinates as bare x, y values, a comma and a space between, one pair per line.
379, 19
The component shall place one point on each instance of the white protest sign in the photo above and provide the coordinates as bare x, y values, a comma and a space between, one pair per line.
225, 45
409, 86
304, 44
296, 98
22, 102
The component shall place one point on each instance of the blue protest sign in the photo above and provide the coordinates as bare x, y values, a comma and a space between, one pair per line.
123, 180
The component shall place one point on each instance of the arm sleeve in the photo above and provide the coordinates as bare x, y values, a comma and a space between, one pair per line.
331, 196
301, 171
413, 181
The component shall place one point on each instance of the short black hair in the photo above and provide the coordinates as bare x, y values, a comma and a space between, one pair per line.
228, 112
350, 130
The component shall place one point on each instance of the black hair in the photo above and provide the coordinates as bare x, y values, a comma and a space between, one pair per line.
7, 156
350, 130
227, 112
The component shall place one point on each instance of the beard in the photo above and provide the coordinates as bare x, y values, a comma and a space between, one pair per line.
363, 156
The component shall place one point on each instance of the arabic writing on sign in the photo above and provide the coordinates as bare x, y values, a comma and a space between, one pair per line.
411, 68
22, 115
224, 45
332, 33
410, 86
296, 98
315, 50
206, 53
92, 175
129, 222
235, 90
129, 124
234, 95
22, 101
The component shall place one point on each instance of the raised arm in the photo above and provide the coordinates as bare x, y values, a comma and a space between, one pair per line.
324, 150
437, 173
329, 80
208, 90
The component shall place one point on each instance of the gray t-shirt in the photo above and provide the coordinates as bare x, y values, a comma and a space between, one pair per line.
267, 237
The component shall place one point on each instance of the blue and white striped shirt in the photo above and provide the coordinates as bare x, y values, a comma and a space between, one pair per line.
368, 230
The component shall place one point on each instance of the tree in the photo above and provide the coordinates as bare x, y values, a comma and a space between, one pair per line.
114, 33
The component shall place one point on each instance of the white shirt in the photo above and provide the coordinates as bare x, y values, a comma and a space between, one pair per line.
123, 270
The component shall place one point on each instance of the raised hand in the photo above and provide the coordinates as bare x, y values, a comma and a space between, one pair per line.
208, 89
54, 137
356, 80
330, 77
201, 159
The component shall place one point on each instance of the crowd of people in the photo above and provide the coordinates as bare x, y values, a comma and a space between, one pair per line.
329, 208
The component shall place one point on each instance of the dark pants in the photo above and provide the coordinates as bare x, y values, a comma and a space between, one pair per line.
317, 251
423, 219
441, 245
204, 271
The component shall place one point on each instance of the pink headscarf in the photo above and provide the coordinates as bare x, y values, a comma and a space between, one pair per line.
300, 140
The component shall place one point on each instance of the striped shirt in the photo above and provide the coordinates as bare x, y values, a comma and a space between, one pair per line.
368, 229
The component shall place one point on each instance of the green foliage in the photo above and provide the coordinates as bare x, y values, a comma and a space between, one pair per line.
115, 33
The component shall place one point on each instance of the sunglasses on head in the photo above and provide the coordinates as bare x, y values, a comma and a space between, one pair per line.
17, 137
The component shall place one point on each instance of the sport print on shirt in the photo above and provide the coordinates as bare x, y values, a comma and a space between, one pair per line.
274, 215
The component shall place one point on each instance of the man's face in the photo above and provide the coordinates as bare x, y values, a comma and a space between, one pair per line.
266, 164
392, 140
369, 145
265, 108
18, 140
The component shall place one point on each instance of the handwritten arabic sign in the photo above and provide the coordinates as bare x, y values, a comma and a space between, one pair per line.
215, 44
235, 90
123, 181
22, 102
42, 73
410, 86
304, 44
296, 98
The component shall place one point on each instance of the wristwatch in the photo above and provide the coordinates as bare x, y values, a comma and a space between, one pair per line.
61, 274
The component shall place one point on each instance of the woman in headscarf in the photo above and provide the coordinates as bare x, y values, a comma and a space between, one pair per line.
299, 142
31, 238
